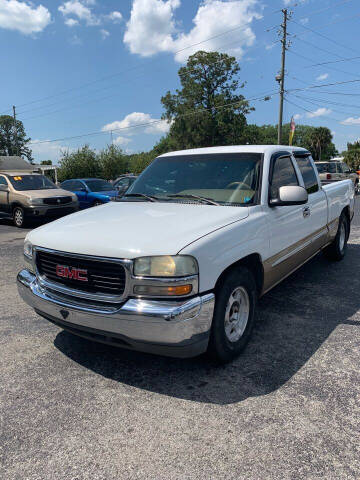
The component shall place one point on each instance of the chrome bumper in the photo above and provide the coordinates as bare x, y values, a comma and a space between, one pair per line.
174, 328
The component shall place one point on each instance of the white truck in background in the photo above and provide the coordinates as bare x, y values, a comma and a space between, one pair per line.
177, 266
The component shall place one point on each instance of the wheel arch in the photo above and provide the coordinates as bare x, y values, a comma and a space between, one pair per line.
252, 262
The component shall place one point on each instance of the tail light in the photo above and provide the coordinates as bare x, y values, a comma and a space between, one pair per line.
328, 176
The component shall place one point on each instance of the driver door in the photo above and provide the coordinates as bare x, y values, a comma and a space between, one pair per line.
287, 224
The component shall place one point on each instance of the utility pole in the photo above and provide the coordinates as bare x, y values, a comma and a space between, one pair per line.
281, 77
15, 131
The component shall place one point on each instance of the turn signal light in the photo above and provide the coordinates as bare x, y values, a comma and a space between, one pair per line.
162, 290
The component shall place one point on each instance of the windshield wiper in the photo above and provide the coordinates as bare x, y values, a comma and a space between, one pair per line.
150, 198
196, 197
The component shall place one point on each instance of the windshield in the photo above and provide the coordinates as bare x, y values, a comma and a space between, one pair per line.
31, 182
326, 167
230, 178
99, 185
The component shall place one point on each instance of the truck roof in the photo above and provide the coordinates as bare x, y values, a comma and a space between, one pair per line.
236, 149
18, 172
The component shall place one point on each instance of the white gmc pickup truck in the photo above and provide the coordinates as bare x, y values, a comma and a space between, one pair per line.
176, 267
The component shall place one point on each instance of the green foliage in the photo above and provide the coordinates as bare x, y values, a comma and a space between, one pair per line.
209, 81
318, 140
46, 162
82, 163
352, 155
113, 162
11, 144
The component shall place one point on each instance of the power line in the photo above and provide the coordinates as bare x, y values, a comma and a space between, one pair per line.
195, 112
243, 26
308, 111
324, 36
321, 105
333, 61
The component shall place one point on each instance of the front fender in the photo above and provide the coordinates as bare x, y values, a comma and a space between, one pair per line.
224, 247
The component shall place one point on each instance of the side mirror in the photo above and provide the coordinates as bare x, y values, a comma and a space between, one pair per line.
83, 189
290, 195
4, 188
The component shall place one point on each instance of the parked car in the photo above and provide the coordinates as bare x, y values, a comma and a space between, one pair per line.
123, 183
335, 170
27, 195
179, 271
91, 192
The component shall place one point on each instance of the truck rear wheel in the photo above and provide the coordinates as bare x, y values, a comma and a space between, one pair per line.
19, 217
233, 320
337, 249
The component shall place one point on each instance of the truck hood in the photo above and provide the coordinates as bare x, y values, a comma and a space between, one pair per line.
134, 229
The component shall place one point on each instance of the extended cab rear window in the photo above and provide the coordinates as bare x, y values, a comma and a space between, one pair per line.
308, 173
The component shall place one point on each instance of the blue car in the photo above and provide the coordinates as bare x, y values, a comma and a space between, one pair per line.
91, 191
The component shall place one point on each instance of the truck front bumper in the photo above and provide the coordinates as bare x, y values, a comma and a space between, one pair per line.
172, 328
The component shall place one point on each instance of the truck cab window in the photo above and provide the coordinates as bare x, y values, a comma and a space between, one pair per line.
3, 181
308, 174
283, 175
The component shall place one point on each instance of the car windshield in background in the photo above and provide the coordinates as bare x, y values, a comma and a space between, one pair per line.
228, 179
326, 167
31, 182
99, 186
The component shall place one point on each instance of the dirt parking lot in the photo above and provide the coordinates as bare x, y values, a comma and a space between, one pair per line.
288, 408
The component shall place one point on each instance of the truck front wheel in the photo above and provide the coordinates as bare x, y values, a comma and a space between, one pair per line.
233, 320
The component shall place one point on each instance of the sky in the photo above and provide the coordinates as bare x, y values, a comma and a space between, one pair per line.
96, 70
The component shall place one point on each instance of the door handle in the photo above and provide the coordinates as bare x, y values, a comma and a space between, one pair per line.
306, 212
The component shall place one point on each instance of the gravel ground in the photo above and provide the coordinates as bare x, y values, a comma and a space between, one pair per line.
288, 408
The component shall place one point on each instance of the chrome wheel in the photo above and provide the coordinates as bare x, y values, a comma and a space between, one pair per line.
18, 217
237, 314
342, 237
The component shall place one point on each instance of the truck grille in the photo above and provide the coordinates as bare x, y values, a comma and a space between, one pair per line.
57, 200
103, 277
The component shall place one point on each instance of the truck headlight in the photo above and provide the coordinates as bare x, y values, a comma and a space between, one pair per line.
165, 266
36, 201
28, 250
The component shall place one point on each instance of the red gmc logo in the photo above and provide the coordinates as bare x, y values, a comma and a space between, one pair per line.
72, 273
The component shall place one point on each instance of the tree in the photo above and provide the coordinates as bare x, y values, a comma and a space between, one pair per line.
318, 140
13, 141
46, 162
113, 162
81, 163
352, 155
209, 82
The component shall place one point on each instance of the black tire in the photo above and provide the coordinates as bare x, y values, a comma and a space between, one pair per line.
19, 217
337, 249
221, 348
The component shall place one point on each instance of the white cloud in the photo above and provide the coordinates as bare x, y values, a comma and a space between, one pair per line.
115, 17
75, 40
152, 27
122, 140
297, 116
146, 123
104, 33
319, 112
71, 22
270, 46
23, 17
351, 121
47, 151
304, 21
322, 77
79, 10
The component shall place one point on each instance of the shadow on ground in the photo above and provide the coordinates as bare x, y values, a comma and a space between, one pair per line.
293, 321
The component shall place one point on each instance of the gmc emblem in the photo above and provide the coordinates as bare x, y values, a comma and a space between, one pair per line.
71, 272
